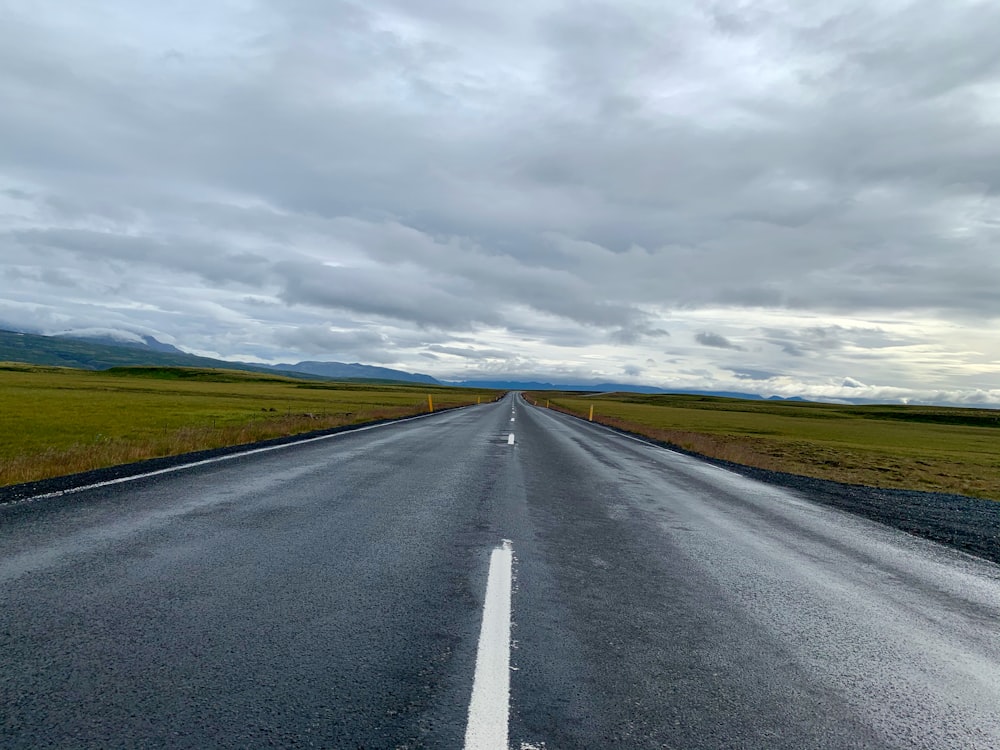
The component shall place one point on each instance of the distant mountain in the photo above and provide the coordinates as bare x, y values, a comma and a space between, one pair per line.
95, 353
332, 370
62, 351
515, 385
521, 385
144, 342
342, 371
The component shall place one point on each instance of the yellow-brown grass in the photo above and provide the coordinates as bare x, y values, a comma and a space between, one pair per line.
107, 451
57, 421
922, 448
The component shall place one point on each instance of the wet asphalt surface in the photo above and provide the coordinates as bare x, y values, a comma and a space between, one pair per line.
329, 595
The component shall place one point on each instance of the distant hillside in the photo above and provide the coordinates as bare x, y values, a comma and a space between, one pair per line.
514, 385
532, 385
95, 353
341, 371
61, 351
143, 342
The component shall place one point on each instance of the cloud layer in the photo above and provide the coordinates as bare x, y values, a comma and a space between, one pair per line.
798, 196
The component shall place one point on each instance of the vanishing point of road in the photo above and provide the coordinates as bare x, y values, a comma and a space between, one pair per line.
490, 577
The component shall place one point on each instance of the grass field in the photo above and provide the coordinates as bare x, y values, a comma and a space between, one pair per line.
908, 447
56, 421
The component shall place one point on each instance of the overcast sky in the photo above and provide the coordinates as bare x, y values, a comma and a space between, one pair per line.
779, 197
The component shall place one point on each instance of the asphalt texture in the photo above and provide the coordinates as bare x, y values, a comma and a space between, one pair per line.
330, 594
970, 524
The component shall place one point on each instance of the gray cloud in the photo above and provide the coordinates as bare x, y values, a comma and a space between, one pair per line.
469, 353
749, 373
425, 302
715, 340
213, 264
822, 340
323, 341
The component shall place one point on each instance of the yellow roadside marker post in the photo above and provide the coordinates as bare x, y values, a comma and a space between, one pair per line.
430, 403
591, 419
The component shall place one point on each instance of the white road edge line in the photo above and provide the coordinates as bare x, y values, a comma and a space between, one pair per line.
489, 709
206, 461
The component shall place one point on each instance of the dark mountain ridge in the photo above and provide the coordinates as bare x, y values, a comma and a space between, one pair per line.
146, 342
341, 370
516, 385
95, 353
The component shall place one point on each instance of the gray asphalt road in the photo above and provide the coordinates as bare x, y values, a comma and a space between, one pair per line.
330, 595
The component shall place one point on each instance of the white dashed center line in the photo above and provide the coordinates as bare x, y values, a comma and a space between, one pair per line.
489, 709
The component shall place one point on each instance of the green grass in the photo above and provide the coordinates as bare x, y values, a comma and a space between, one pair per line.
56, 421
908, 447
